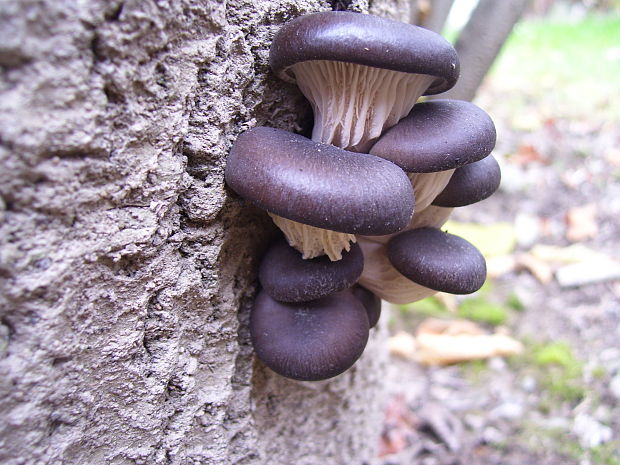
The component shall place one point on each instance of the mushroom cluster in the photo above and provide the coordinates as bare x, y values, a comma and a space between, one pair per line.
361, 203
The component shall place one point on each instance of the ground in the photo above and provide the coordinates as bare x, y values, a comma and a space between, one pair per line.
554, 98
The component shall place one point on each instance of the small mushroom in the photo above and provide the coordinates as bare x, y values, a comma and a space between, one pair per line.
471, 183
302, 182
385, 281
287, 277
379, 274
371, 302
361, 73
438, 260
309, 341
433, 140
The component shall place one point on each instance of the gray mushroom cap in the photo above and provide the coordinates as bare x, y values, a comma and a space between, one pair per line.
438, 260
309, 341
287, 277
318, 184
366, 40
437, 136
470, 184
371, 302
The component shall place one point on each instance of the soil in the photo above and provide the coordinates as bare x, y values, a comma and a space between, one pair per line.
523, 409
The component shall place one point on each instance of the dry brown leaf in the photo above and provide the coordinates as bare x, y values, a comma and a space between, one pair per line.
540, 269
575, 253
527, 154
460, 341
402, 344
399, 426
448, 327
582, 223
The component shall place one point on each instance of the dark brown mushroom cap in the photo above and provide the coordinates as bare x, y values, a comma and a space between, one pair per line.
438, 260
366, 40
318, 184
309, 341
287, 277
437, 136
371, 302
470, 184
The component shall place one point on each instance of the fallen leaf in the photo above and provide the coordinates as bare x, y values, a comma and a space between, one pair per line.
527, 154
399, 427
563, 255
491, 239
582, 223
402, 344
579, 274
460, 341
540, 269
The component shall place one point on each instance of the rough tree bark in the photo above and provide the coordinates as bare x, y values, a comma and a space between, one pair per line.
127, 268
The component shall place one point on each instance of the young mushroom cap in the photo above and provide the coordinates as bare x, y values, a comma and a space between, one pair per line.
309, 341
438, 260
471, 183
371, 302
287, 277
438, 135
318, 184
365, 40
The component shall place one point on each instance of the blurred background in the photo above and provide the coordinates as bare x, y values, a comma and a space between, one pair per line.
527, 370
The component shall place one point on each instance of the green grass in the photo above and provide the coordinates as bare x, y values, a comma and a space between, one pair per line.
558, 371
586, 49
574, 64
482, 310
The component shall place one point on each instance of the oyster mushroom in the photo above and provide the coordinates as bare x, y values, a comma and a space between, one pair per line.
319, 185
372, 303
361, 74
438, 260
309, 341
470, 184
433, 140
287, 277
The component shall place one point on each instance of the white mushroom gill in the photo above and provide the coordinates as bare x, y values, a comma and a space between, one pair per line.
313, 242
353, 105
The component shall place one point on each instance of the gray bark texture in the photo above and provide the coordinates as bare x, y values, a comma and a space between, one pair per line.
480, 42
127, 268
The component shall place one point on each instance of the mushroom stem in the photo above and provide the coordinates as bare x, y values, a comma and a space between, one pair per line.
314, 242
353, 104
427, 186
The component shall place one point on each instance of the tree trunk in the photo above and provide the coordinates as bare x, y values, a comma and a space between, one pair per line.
480, 42
127, 267
437, 15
